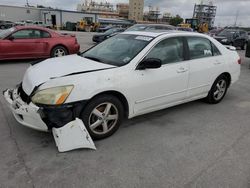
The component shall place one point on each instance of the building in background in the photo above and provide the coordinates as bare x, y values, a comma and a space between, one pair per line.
92, 6
136, 10
56, 18
205, 13
152, 15
166, 17
123, 10
104, 9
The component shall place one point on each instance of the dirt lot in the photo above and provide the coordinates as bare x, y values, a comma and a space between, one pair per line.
190, 145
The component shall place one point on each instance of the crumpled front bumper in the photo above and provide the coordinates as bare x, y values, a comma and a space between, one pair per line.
71, 135
26, 114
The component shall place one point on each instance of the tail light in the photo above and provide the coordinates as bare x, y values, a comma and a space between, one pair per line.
239, 61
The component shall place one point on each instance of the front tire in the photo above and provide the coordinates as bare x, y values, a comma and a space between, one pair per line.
218, 90
59, 51
103, 116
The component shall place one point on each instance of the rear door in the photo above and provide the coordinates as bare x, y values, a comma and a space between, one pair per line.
24, 43
205, 64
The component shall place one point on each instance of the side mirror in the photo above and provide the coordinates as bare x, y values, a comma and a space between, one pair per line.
150, 63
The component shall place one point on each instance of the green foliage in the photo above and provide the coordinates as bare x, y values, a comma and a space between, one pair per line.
176, 20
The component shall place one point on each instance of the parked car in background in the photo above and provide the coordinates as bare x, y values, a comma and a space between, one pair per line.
247, 54
24, 42
27, 22
233, 37
32, 23
109, 33
41, 24
130, 74
6, 24
148, 27
184, 29
104, 28
214, 32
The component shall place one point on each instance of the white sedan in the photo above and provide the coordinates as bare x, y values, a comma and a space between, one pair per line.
130, 74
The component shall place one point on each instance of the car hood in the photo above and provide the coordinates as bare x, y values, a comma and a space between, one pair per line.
100, 35
58, 67
220, 37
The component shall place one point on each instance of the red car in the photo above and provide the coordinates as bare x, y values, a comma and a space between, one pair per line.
28, 42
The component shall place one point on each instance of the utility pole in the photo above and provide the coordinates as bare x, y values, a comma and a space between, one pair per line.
236, 18
27, 3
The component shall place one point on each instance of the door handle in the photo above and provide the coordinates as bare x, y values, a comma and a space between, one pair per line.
181, 70
217, 63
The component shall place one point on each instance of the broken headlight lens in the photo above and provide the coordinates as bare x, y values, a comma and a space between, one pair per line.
52, 96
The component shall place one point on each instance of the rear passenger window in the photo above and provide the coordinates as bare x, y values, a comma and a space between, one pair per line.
45, 34
168, 51
215, 50
199, 47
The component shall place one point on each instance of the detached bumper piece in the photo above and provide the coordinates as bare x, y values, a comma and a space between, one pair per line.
72, 136
69, 132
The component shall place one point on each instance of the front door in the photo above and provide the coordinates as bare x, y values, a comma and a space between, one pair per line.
158, 88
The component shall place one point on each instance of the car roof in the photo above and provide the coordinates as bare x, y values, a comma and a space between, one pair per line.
156, 33
158, 24
32, 27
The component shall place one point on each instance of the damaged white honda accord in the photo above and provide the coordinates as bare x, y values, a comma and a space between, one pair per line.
130, 74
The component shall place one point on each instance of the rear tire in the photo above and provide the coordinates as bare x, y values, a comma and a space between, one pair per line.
218, 90
59, 51
102, 116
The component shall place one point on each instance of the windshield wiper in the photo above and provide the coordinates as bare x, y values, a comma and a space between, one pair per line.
93, 58
99, 60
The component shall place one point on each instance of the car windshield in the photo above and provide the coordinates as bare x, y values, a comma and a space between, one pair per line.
137, 28
6, 32
227, 32
118, 50
110, 31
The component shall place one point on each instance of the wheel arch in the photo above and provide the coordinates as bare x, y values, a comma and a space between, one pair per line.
228, 76
120, 96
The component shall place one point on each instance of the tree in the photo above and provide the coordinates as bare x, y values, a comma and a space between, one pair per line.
176, 20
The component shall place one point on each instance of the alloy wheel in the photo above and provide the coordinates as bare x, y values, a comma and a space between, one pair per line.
59, 52
103, 118
221, 87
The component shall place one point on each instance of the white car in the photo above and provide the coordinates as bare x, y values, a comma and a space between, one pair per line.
130, 74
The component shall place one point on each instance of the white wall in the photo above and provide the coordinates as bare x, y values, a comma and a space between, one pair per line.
64, 16
12, 13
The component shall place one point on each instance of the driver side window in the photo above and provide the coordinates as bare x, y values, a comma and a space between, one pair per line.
168, 51
26, 34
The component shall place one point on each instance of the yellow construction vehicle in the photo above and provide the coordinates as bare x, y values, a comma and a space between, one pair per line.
196, 26
184, 25
203, 28
86, 25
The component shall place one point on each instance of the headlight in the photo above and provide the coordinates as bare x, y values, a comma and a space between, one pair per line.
52, 96
224, 40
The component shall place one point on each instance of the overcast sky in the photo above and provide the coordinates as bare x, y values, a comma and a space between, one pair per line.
226, 9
